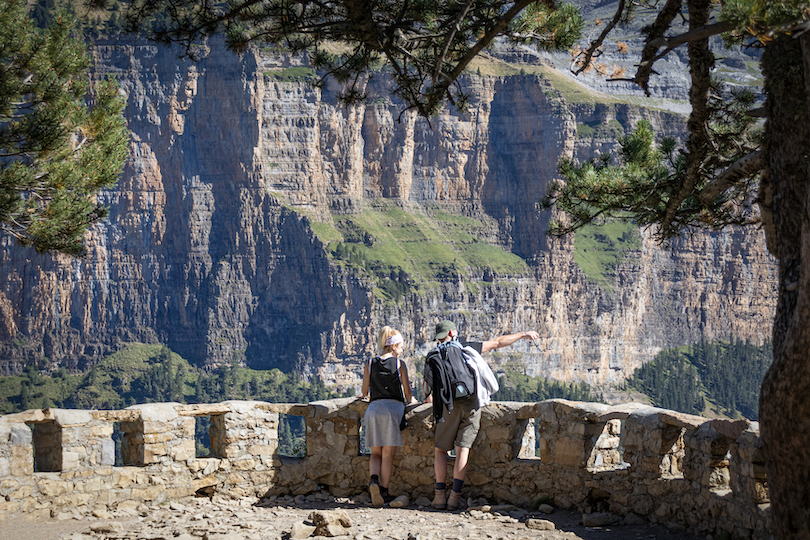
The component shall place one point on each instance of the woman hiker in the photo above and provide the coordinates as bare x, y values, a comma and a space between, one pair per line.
386, 383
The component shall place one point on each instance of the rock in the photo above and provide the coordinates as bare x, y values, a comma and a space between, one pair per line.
301, 530
422, 501
102, 513
331, 522
633, 519
545, 508
364, 498
599, 519
400, 502
540, 524
105, 528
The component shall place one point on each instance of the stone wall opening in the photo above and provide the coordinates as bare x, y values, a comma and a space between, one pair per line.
363, 448
132, 450
118, 440
529, 444
47, 441
202, 436
292, 436
607, 452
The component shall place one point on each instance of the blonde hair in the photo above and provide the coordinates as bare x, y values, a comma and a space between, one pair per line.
386, 333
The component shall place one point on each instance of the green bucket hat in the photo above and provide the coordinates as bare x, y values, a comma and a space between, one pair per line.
443, 328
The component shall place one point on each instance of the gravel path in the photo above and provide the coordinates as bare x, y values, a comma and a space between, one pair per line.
195, 519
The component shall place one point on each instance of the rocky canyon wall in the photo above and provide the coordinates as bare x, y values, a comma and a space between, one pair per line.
215, 247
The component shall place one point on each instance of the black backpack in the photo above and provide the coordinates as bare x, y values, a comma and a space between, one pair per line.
459, 375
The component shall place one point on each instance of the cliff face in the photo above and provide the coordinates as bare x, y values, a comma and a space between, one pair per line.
211, 245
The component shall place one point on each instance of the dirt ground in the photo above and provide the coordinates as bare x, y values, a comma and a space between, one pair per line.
204, 519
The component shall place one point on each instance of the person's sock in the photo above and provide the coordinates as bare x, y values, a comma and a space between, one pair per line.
441, 486
375, 479
457, 485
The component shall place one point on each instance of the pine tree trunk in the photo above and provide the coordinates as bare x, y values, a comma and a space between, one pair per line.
785, 398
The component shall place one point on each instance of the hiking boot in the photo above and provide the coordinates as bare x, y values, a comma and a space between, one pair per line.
454, 501
376, 497
439, 500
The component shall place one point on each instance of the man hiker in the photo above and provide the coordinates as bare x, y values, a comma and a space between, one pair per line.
458, 382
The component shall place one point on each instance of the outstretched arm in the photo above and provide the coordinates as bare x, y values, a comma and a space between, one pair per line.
504, 341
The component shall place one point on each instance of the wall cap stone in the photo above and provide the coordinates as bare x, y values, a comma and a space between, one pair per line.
71, 417
117, 416
31, 416
203, 409
621, 412
156, 412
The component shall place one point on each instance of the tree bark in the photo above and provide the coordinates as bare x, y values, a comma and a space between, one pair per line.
785, 398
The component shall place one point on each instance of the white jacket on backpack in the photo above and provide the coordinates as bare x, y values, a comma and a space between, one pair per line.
485, 382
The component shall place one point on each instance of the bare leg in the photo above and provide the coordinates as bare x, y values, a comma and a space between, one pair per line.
460, 467
440, 465
387, 466
375, 461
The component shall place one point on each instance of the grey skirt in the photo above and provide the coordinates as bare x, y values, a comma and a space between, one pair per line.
381, 424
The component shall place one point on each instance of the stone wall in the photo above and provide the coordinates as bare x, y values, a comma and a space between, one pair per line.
682, 471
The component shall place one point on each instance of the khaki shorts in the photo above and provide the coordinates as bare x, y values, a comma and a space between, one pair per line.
460, 426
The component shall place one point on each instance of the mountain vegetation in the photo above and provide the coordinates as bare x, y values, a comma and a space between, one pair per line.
726, 376
517, 386
406, 252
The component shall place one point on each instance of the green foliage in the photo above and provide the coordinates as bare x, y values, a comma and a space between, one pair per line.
671, 381
600, 249
727, 374
35, 391
515, 386
647, 186
585, 131
407, 252
56, 151
760, 19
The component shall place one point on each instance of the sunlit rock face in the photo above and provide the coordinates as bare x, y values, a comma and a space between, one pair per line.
211, 245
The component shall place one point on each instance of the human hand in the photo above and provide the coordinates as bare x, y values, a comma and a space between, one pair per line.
531, 335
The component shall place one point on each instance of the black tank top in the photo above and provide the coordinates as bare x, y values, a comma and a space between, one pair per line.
384, 379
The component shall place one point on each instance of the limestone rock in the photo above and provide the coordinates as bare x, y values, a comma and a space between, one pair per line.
545, 508
213, 235
331, 523
106, 528
400, 502
301, 530
599, 519
540, 524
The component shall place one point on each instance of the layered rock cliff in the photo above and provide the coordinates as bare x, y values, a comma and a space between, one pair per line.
240, 176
